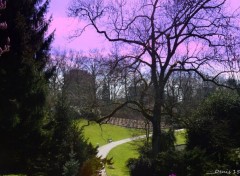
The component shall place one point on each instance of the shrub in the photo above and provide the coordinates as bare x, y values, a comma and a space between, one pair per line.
215, 127
194, 162
141, 166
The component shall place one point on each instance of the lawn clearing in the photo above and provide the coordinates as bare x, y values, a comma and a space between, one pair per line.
99, 135
120, 156
123, 152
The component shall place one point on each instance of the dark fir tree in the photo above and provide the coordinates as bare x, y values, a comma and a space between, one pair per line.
23, 80
65, 140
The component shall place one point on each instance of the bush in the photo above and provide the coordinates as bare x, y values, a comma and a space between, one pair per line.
141, 166
181, 163
145, 165
215, 127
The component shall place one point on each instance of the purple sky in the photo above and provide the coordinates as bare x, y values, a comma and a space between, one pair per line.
90, 39
65, 26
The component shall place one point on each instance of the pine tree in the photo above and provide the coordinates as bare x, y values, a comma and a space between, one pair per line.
71, 167
66, 139
23, 80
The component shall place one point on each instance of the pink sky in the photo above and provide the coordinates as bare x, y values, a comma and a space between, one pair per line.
65, 26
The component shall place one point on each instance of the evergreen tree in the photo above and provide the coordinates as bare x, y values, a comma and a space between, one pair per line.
71, 167
23, 88
66, 140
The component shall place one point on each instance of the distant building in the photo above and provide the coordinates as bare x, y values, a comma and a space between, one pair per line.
79, 87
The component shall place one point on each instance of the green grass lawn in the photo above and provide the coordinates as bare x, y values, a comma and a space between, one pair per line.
99, 135
123, 152
120, 156
180, 137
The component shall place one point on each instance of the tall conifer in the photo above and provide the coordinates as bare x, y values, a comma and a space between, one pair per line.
23, 80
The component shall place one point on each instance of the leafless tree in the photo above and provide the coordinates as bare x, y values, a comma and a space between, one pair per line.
184, 91
59, 64
165, 36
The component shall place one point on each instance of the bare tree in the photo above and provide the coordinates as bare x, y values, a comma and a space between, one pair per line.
165, 36
184, 91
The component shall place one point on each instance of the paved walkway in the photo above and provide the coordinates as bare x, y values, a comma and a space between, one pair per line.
105, 149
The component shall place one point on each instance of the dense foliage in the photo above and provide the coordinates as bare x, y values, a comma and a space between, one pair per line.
38, 137
214, 127
23, 85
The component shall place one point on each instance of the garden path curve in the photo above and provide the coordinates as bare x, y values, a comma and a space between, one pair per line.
105, 149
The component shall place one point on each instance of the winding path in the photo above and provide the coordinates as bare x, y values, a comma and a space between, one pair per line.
105, 149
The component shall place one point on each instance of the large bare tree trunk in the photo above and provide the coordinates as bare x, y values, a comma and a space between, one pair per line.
156, 124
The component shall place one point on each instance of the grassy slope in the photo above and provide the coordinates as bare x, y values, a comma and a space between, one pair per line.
123, 152
120, 156
99, 135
